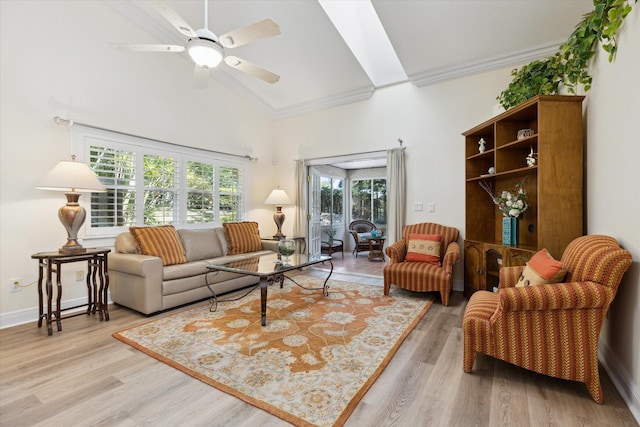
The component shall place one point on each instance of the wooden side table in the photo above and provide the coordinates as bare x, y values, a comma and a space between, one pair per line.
97, 284
376, 245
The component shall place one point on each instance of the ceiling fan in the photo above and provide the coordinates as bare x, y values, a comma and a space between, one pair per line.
206, 49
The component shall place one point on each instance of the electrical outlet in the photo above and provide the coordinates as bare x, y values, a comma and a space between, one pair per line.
431, 207
16, 285
79, 276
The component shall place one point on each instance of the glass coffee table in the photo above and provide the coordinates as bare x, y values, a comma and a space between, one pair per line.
270, 269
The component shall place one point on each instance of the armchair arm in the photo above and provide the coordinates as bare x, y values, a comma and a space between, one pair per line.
397, 251
355, 236
509, 276
451, 256
555, 296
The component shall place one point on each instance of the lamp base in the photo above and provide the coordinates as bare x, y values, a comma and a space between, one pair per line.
72, 250
278, 218
72, 216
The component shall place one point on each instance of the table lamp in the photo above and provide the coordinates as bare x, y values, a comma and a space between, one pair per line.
279, 198
73, 178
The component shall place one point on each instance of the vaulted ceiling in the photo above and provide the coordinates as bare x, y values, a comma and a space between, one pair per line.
435, 40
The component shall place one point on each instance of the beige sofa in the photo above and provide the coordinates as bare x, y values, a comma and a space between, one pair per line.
142, 283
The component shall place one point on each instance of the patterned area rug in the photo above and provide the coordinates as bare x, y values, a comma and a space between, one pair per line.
313, 361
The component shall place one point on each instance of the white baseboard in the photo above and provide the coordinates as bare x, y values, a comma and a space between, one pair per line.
621, 379
20, 317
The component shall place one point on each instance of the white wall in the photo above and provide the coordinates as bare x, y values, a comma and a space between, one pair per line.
613, 195
429, 120
56, 62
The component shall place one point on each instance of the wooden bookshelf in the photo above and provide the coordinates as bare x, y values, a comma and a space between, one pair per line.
554, 185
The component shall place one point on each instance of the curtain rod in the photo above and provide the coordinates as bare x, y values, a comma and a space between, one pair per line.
59, 120
356, 154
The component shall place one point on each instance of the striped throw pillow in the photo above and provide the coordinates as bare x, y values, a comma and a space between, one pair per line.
161, 241
242, 237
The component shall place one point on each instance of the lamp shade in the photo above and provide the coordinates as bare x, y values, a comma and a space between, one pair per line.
73, 178
278, 197
71, 175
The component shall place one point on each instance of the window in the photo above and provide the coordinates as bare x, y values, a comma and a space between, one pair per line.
331, 202
153, 183
369, 200
200, 185
161, 185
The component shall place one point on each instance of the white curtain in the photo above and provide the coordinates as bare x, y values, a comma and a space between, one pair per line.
396, 187
300, 220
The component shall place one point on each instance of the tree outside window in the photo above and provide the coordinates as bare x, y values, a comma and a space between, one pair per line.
369, 200
160, 190
200, 184
331, 202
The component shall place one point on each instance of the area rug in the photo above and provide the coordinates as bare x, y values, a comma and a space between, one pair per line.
310, 365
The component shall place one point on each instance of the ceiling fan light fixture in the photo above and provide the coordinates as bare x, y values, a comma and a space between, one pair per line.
205, 53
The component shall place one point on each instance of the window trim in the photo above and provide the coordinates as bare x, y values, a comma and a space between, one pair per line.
83, 137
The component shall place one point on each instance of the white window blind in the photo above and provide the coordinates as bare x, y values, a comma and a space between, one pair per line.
154, 183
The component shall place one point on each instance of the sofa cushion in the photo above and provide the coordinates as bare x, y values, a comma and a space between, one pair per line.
242, 237
424, 248
200, 244
161, 241
541, 269
222, 237
364, 237
126, 244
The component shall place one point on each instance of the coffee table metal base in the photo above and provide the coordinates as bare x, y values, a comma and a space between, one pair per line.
270, 269
266, 281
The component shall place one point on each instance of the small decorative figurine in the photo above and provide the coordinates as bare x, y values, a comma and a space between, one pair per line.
481, 145
492, 170
532, 158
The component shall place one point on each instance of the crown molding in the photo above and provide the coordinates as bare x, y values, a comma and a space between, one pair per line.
344, 98
430, 77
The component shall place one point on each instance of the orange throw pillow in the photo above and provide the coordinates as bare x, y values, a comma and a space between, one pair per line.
424, 248
541, 269
161, 241
243, 237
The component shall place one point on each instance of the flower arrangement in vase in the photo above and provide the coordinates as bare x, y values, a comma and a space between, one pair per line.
512, 204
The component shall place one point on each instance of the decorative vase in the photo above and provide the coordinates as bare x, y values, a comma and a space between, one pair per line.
510, 231
286, 248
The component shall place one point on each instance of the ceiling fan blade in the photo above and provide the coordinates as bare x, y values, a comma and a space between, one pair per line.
173, 18
250, 33
252, 69
200, 77
148, 47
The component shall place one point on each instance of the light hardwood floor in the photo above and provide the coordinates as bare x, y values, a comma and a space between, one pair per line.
83, 376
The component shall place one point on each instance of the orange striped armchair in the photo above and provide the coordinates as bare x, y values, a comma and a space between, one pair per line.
552, 329
422, 276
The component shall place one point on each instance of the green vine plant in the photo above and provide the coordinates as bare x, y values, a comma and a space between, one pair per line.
569, 67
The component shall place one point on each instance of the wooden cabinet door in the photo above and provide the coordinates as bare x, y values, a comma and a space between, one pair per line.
518, 257
473, 268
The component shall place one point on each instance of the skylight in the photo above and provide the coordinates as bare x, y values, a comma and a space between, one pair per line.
359, 25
